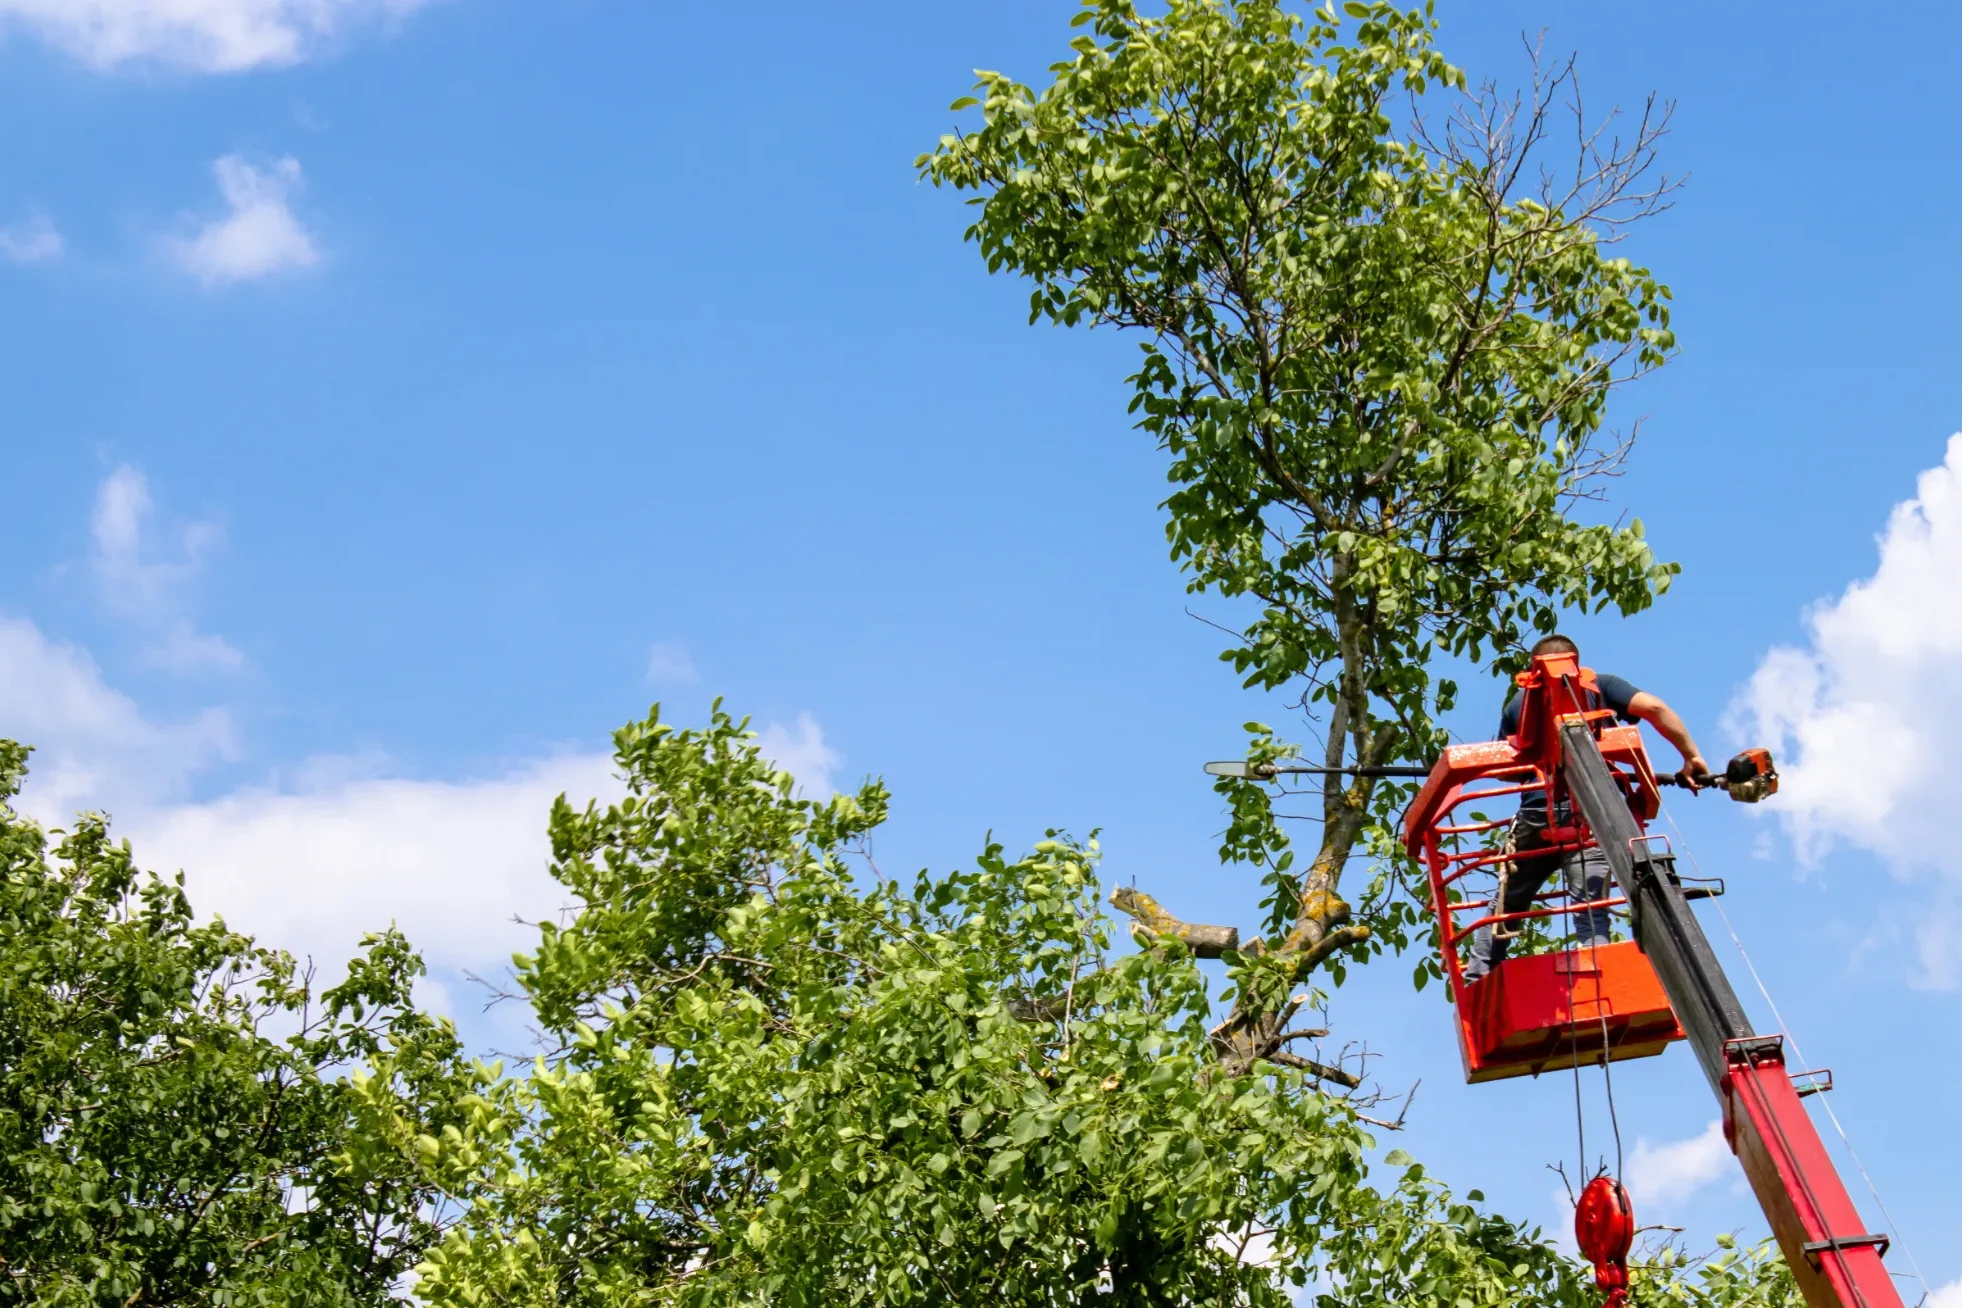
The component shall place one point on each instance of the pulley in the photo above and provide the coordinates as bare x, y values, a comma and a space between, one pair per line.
1604, 1227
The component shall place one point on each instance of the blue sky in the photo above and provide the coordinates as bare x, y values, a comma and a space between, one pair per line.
402, 395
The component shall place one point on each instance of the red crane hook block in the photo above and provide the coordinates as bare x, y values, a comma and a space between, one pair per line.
1604, 1226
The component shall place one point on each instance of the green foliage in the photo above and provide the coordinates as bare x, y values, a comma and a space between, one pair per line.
771, 1075
160, 1141
774, 1075
1379, 365
1733, 1277
1418, 1247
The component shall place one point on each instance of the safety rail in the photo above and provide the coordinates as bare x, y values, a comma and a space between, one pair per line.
1526, 915
1446, 867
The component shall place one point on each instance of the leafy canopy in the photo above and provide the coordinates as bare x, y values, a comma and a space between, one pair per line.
770, 1075
174, 1123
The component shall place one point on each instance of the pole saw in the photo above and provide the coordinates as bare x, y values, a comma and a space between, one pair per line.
1749, 777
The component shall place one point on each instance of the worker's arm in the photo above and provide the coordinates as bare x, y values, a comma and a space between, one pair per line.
1695, 772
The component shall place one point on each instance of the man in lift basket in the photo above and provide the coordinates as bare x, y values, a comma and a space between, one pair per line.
1586, 870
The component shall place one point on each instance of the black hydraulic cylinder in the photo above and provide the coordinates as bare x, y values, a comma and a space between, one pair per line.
1665, 928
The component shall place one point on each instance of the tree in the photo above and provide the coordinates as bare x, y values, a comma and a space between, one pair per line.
1378, 347
770, 1074
174, 1128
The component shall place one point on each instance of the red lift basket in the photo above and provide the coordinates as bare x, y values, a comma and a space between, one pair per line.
1534, 1013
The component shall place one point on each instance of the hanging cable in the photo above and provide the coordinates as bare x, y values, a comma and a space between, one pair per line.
1608, 1079
1573, 1036
1786, 1032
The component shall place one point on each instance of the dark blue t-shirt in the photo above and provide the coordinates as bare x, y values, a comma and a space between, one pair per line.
1615, 693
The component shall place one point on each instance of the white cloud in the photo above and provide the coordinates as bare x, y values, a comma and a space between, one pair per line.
668, 664
132, 582
34, 241
1668, 1173
803, 754
148, 590
1864, 715
313, 867
260, 236
327, 850
1946, 1296
448, 862
93, 746
210, 36
183, 650
338, 850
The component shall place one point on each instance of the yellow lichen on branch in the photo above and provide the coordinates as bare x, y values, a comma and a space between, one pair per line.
1150, 918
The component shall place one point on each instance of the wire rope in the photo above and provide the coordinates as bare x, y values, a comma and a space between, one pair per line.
1784, 1029
1608, 1080
1573, 1055
1580, 874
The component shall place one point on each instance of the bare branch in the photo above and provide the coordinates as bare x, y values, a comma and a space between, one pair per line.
1306, 1033
1402, 1113
1320, 1071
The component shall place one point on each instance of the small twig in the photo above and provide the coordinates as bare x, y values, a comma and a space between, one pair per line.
1402, 1113
496, 993
1239, 636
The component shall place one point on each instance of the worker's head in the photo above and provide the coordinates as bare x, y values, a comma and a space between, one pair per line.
1555, 644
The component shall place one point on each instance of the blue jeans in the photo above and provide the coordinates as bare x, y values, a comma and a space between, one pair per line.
1586, 877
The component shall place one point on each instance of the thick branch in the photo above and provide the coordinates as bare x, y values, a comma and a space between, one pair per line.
1204, 941
1340, 938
